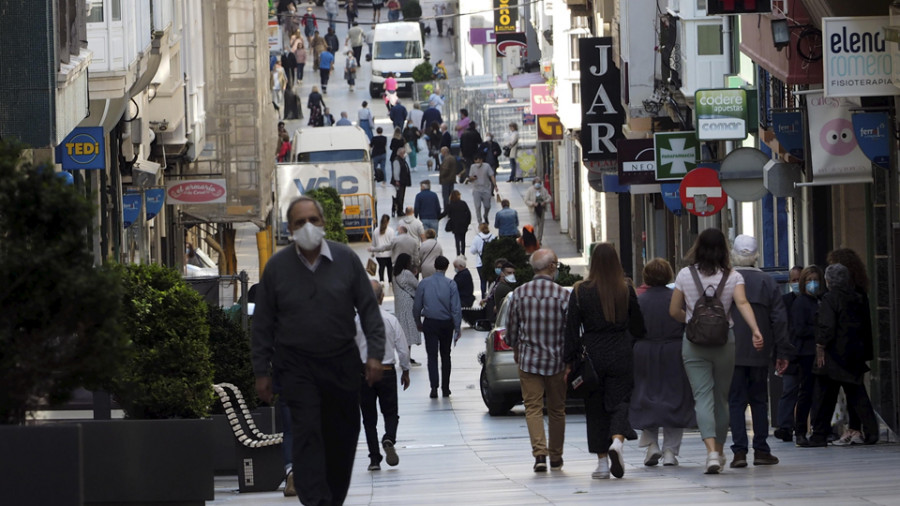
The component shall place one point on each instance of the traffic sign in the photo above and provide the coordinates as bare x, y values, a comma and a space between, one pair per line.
701, 193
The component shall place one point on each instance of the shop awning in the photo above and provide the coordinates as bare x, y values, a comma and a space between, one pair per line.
526, 80
105, 112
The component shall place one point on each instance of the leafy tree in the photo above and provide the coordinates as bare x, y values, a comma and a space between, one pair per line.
334, 208
168, 373
423, 72
58, 326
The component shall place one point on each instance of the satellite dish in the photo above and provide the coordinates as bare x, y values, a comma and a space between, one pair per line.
742, 172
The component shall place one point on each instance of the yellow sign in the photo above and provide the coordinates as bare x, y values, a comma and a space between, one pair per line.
351, 210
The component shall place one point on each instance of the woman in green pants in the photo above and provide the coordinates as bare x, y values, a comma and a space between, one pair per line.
710, 368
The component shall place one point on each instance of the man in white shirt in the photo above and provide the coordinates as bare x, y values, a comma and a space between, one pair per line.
385, 390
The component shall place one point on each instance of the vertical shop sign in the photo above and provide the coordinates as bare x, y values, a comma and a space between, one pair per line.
601, 103
836, 157
871, 129
506, 15
788, 128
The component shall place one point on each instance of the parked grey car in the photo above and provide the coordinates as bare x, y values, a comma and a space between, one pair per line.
499, 381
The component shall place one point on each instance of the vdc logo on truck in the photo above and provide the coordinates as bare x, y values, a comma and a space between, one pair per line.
344, 185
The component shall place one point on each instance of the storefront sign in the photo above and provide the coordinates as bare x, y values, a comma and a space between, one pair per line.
509, 40
156, 197
601, 100
481, 36
671, 196
612, 184
721, 114
637, 163
83, 148
871, 129
836, 157
857, 62
549, 128
529, 119
701, 193
506, 14
788, 127
131, 208
542, 101
676, 154
196, 191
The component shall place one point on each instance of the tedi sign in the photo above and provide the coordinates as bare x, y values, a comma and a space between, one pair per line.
601, 103
857, 61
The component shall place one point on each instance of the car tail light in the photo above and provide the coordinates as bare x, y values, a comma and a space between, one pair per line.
499, 343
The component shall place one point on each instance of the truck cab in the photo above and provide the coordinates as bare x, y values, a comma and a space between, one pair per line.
397, 49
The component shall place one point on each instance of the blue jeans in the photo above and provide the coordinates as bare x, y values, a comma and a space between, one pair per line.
366, 125
394, 15
431, 223
331, 22
749, 385
381, 161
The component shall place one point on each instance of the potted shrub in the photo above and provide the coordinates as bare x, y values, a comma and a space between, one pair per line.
334, 209
162, 452
58, 326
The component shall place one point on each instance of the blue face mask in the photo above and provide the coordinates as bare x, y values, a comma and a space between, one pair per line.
812, 287
795, 288
497, 270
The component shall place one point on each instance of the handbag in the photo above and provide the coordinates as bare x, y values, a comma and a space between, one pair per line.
506, 151
371, 267
582, 376
449, 226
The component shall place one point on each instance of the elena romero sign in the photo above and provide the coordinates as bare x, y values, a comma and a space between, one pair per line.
857, 61
196, 191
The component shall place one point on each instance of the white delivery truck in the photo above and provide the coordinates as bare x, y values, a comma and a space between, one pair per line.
330, 156
397, 49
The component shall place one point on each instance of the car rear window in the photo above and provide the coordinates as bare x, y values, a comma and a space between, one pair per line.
338, 155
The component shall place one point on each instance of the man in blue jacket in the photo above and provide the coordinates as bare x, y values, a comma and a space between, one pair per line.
427, 207
506, 221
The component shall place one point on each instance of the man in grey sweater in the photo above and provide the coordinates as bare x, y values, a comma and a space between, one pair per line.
303, 326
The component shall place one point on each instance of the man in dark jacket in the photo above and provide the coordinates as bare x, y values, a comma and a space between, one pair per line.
430, 116
750, 383
427, 208
398, 115
468, 144
447, 176
332, 41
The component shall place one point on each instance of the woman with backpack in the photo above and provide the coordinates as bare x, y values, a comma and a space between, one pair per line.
484, 236
602, 321
702, 299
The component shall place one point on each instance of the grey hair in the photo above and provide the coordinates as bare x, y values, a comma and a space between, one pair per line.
460, 262
542, 259
837, 276
739, 260
304, 198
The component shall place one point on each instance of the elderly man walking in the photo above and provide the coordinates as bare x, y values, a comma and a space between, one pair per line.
535, 331
437, 300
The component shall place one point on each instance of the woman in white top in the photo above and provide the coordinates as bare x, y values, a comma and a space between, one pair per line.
366, 119
383, 236
484, 236
429, 250
512, 142
710, 368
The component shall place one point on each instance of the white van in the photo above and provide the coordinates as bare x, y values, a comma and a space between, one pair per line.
338, 157
397, 48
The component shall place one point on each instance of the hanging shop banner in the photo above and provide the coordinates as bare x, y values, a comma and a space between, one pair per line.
156, 197
857, 61
509, 40
871, 129
529, 119
506, 14
196, 191
836, 156
542, 101
481, 36
788, 128
721, 114
676, 154
131, 207
602, 114
672, 197
83, 148
549, 128
637, 163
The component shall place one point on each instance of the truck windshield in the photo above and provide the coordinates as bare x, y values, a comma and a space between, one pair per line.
338, 155
398, 49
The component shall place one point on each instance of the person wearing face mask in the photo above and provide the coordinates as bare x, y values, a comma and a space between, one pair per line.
506, 282
538, 199
304, 335
797, 388
793, 287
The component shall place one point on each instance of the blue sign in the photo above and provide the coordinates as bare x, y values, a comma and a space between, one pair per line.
788, 128
156, 197
131, 206
671, 196
871, 129
83, 148
611, 184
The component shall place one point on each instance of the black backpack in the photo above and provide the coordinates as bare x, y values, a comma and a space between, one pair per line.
709, 322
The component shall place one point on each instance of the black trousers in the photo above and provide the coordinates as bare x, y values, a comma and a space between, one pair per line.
323, 397
324, 74
460, 240
796, 397
438, 338
385, 264
606, 409
401, 195
749, 385
440, 26
825, 398
357, 53
385, 392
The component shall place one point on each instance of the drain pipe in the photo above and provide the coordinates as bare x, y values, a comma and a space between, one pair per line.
152, 65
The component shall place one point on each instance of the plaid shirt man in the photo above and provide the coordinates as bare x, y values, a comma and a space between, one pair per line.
537, 323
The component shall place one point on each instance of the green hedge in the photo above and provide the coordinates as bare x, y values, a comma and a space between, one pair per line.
334, 208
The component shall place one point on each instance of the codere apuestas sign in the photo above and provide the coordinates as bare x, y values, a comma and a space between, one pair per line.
721, 114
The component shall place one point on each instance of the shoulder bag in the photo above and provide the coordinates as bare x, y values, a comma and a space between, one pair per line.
582, 376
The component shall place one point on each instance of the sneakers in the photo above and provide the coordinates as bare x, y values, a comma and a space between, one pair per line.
390, 453
764, 459
669, 458
373, 466
616, 459
289, 490
602, 471
540, 464
556, 465
740, 460
848, 438
414, 363
653, 455
783, 434
713, 464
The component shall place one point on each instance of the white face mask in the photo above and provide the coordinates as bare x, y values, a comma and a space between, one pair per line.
537, 185
510, 278
309, 236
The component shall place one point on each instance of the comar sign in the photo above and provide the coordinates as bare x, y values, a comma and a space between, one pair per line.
83, 148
